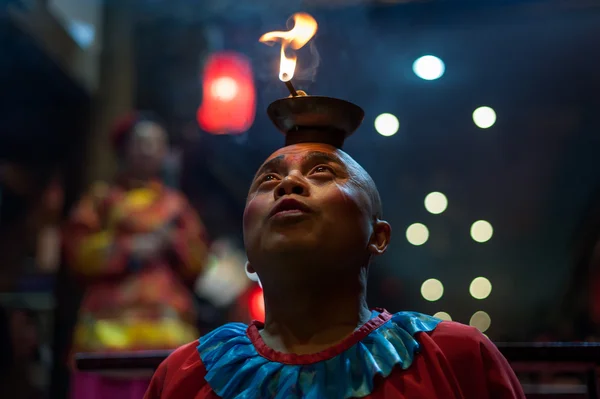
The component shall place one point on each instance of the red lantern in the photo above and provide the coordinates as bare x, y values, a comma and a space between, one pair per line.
229, 96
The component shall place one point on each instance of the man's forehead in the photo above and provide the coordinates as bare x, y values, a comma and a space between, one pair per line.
303, 150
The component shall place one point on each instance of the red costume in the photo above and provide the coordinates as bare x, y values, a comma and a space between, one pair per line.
405, 355
131, 304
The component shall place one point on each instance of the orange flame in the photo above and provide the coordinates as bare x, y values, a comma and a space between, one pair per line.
304, 29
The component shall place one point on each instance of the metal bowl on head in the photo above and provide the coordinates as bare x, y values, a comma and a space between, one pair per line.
315, 119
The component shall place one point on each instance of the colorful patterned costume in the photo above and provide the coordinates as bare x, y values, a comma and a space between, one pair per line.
401, 356
132, 303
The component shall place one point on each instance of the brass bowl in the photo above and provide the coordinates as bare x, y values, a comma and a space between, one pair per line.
315, 119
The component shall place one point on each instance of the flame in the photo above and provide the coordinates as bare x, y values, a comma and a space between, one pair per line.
304, 29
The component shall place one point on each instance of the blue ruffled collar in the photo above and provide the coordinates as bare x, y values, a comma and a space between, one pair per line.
239, 365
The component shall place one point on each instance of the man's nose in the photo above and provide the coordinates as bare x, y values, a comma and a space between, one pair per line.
291, 185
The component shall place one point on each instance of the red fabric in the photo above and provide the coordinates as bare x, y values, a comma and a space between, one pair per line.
455, 361
120, 287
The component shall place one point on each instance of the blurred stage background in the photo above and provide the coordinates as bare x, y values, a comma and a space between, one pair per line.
500, 121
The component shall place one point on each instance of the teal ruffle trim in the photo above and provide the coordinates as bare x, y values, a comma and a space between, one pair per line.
236, 370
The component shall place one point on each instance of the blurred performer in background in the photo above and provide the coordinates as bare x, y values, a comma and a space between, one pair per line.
139, 247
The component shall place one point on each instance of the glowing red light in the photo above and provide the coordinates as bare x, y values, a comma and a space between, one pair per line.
257, 305
229, 96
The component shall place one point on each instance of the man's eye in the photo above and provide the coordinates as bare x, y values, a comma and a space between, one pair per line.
269, 177
322, 169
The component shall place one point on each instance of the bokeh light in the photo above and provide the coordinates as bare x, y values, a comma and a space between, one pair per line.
257, 305
484, 117
224, 88
429, 67
481, 321
387, 124
480, 288
417, 234
432, 289
83, 33
443, 316
436, 203
482, 231
228, 94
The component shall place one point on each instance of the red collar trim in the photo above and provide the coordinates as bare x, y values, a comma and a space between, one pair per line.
290, 358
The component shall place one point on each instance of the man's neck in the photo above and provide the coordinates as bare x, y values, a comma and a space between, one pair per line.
308, 318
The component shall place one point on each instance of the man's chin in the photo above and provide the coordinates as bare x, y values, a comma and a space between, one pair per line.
293, 242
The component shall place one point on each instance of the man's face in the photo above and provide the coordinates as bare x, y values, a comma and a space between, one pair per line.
307, 199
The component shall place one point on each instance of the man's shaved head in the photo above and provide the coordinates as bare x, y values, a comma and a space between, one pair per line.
365, 182
312, 203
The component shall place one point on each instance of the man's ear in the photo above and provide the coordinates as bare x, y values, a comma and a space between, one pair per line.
380, 239
251, 273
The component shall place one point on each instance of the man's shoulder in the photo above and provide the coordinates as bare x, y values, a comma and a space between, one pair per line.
460, 342
449, 336
476, 362
457, 331
179, 375
182, 355
182, 373
183, 352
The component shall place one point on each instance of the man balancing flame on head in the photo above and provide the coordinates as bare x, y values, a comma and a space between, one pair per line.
312, 225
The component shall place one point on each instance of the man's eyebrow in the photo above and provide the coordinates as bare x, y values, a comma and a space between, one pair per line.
317, 156
271, 164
